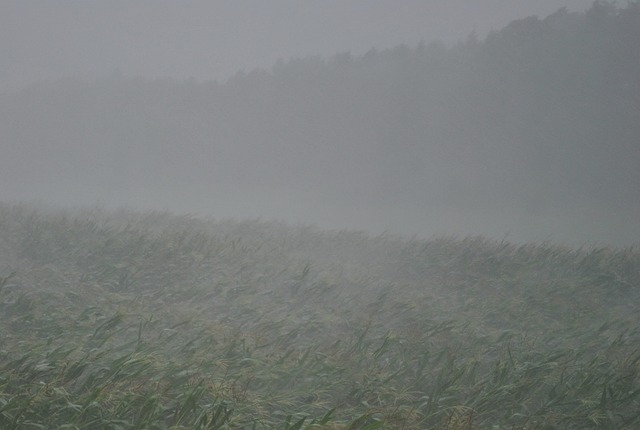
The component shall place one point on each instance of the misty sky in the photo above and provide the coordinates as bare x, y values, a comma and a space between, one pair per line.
410, 143
42, 39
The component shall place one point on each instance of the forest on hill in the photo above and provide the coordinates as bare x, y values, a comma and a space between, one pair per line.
532, 132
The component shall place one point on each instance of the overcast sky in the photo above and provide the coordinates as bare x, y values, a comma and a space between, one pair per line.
213, 39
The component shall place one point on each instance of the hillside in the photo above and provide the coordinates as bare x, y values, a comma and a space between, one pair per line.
531, 133
132, 320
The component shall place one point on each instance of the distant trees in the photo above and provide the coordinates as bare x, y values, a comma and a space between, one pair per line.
544, 109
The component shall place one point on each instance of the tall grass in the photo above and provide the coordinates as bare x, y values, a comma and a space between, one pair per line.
124, 320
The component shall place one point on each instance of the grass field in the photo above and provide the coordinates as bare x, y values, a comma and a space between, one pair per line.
124, 320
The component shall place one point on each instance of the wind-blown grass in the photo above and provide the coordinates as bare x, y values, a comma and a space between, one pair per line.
151, 321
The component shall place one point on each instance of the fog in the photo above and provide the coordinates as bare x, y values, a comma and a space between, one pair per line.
42, 40
511, 119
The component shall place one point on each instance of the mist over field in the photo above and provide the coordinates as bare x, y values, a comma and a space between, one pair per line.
321, 215
529, 131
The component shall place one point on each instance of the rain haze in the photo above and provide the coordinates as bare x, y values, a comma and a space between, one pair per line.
407, 117
43, 40
320, 214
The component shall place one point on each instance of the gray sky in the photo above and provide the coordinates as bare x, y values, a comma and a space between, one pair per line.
47, 39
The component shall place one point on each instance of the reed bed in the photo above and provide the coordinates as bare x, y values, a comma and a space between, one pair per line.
125, 320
